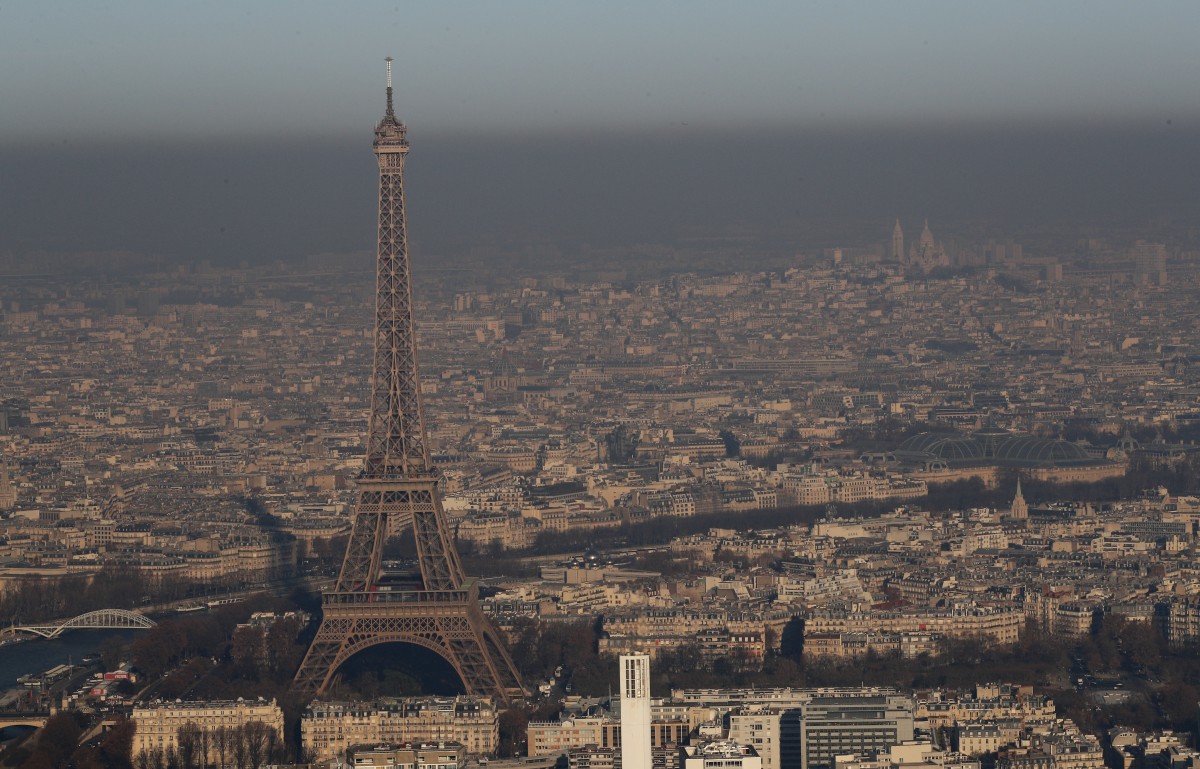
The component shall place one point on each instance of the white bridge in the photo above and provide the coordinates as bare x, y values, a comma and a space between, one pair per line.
104, 619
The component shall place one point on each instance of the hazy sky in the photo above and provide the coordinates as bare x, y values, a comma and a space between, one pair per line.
242, 130
121, 69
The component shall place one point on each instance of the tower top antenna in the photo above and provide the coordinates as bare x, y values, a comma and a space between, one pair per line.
391, 114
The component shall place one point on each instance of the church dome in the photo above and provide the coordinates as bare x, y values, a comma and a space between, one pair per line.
926, 235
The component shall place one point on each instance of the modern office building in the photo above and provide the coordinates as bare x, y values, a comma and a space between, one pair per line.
846, 722
757, 727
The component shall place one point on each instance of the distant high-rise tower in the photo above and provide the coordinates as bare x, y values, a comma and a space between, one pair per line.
897, 242
8, 492
398, 489
1020, 508
1149, 264
635, 712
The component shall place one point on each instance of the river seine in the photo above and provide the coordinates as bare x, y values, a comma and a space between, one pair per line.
41, 654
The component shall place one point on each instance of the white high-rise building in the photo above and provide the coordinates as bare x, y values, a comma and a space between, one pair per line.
635, 711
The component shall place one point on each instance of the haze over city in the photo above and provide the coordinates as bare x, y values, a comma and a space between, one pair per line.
606, 386
180, 129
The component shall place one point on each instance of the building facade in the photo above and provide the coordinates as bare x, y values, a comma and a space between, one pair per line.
848, 722
329, 729
422, 755
157, 724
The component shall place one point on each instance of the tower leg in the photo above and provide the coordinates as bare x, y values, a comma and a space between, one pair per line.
457, 633
321, 660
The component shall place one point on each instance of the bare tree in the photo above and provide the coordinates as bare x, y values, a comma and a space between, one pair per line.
241, 753
188, 739
116, 746
275, 753
205, 748
306, 755
256, 736
221, 743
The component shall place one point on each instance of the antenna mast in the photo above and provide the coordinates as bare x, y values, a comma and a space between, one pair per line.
390, 112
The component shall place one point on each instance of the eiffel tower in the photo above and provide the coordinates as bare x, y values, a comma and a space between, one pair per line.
398, 488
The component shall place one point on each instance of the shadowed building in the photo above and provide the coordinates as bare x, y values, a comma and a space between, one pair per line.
951, 455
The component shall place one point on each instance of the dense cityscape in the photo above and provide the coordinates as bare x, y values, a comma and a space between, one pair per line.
862, 467
788, 491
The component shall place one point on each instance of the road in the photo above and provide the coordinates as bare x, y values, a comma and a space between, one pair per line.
280, 588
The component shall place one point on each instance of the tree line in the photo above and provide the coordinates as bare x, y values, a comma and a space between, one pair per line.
37, 599
661, 530
211, 657
1179, 477
248, 746
1182, 477
57, 746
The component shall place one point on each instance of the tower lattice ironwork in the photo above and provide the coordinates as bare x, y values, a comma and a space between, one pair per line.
399, 488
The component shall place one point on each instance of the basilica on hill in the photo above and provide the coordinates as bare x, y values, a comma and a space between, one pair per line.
924, 255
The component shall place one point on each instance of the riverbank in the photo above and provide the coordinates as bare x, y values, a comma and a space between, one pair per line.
39, 654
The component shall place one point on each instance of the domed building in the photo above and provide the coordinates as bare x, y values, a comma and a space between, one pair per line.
1028, 451
506, 377
947, 456
942, 449
927, 254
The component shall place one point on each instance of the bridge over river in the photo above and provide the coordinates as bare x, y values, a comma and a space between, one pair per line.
102, 619
36, 720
